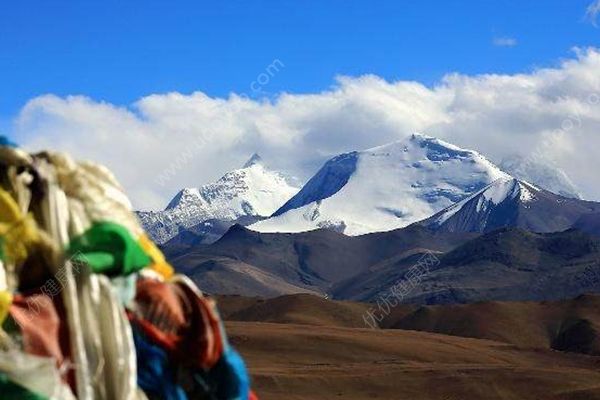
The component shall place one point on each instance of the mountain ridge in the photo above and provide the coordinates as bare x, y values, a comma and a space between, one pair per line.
378, 189
384, 188
511, 202
251, 191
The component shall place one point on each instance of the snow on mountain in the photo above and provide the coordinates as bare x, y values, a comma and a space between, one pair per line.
510, 202
253, 191
473, 213
541, 173
384, 188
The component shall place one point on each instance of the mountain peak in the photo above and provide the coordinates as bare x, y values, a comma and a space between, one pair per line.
509, 188
184, 196
510, 202
421, 137
384, 187
253, 160
496, 193
429, 147
243, 194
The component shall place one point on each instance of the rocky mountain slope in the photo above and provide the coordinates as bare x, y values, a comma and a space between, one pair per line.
589, 223
240, 196
313, 261
505, 264
513, 203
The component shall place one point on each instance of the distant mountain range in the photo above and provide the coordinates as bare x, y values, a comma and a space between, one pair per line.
301, 262
505, 264
379, 189
203, 214
356, 228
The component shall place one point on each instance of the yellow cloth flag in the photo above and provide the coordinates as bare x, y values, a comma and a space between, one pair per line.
17, 231
159, 264
5, 302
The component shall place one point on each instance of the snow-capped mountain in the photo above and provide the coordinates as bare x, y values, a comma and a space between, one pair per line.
509, 202
249, 193
384, 188
541, 173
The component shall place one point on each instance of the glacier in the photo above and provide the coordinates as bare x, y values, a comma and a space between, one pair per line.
253, 191
384, 188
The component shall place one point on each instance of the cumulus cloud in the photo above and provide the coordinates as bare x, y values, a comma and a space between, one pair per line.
164, 142
505, 42
592, 11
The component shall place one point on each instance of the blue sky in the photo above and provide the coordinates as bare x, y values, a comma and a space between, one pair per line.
119, 51
145, 87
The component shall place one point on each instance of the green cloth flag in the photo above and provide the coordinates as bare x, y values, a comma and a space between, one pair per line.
11, 391
110, 249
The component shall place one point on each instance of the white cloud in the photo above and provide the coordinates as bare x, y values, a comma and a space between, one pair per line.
505, 42
592, 11
167, 141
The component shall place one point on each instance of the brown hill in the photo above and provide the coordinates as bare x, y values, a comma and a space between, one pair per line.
504, 265
570, 325
231, 304
297, 309
305, 262
318, 349
290, 361
225, 275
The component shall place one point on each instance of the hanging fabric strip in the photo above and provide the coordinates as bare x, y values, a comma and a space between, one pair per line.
38, 320
36, 374
54, 206
13, 391
155, 372
159, 263
69, 226
109, 248
5, 302
19, 232
120, 363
